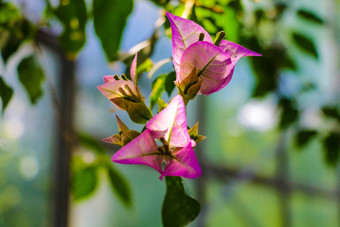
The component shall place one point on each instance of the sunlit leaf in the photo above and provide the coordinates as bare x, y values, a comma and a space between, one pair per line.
331, 145
164, 82
309, 16
8, 13
304, 136
110, 17
120, 186
158, 86
84, 182
178, 208
161, 104
31, 76
305, 44
73, 16
6, 93
145, 66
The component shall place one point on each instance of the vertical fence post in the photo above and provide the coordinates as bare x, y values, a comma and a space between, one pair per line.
65, 96
65, 144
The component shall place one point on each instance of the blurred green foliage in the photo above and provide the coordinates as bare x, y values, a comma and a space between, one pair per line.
259, 27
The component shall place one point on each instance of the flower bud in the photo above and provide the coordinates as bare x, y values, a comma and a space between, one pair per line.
139, 112
219, 36
193, 133
126, 95
189, 86
124, 136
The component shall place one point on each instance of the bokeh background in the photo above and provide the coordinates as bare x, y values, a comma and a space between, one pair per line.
273, 136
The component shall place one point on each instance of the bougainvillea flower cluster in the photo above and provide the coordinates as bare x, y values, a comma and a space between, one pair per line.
202, 67
195, 54
170, 128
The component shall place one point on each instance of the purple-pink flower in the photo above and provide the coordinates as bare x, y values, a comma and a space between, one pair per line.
176, 150
194, 52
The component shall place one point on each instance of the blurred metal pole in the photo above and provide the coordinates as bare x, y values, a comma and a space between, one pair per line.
282, 173
65, 143
64, 101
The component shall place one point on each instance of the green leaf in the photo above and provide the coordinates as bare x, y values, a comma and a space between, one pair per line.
84, 182
158, 86
309, 16
331, 145
303, 136
169, 83
145, 66
331, 111
164, 82
13, 36
109, 20
305, 44
288, 63
9, 21
289, 113
193, 133
8, 13
88, 141
6, 93
161, 104
73, 15
178, 208
31, 76
120, 186
139, 112
265, 68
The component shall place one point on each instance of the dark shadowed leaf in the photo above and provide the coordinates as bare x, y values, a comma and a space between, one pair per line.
31, 77
88, 141
288, 63
178, 208
110, 17
13, 36
84, 182
120, 186
303, 136
331, 145
169, 82
312, 17
160, 2
289, 113
6, 93
73, 16
332, 112
265, 68
305, 44
280, 8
